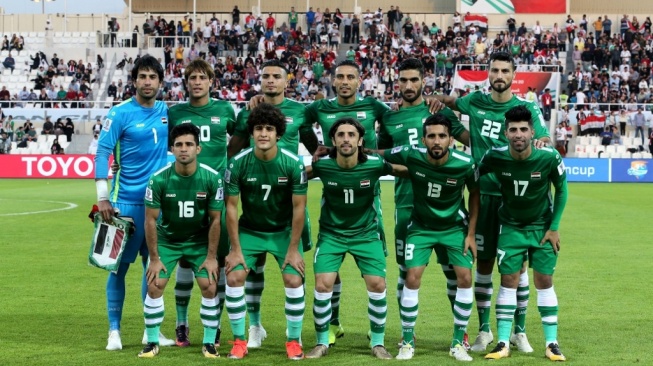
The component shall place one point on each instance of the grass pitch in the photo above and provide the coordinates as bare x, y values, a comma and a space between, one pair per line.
52, 304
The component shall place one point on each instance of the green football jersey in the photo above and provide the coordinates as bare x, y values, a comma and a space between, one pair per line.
214, 120
185, 202
266, 188
294, 112
487, 125
366, 110
437, 190
404, 127
348, 195
526, 185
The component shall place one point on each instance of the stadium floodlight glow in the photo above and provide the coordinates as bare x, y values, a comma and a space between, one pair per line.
42, 4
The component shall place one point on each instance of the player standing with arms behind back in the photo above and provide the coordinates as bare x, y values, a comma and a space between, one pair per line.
136, 132
529, 220
486, 113
215, 119
184, 202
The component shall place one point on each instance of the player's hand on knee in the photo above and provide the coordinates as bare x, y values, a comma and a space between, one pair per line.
295, 260
211, 266
107, 211
153, 269
553, 237
233, 260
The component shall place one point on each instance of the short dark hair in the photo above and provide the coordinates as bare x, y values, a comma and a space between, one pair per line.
349, 63
436, 119
502, 56
147, 62
199, 65
361, 132
266, 114
519, 113
274, 63
412, 64
184, 129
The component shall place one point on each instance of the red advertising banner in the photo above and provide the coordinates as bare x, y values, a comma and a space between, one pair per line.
469, 79
48, 166
514, 6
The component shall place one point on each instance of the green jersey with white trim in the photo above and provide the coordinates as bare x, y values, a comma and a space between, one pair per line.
365, 110
487, 125
526, 185
185, 202
294, 113
404, 127
437, 190
266, 188
214, 120
348, 195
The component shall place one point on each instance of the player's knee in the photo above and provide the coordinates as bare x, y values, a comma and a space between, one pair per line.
291, 281
485, 266
236, 278
542, 281
323, 285
413, 280
376, 285
464, 279
510, 281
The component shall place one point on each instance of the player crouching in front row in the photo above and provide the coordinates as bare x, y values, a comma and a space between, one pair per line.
189, 198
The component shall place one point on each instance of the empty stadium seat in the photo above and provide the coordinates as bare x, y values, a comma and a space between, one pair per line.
593, 155
646, 155
584, 140
581, 155
637, 155
579, 149
625, 155
599, 148
595, 140
590, 149
610, 149
621, 149
627, 141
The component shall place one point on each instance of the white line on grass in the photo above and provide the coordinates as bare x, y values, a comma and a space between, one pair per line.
69, 206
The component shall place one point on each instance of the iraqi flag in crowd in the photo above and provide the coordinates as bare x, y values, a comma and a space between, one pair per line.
477, 20
635, 29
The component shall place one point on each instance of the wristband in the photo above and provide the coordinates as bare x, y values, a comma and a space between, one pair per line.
101, 189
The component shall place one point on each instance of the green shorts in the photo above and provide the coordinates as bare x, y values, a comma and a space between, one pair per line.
307, 241
223, 245
487, 227
448, 246
366, 250
517, 246
254, 243
402, 217
193, 253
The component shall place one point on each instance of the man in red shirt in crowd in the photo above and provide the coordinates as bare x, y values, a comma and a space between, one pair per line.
547, 103
270, 21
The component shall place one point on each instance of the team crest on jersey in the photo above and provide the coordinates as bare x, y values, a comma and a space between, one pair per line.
164, 120
289, 120
361, 115
396, 149
219, 195
452, 182
200, 196
536, 175
148, 194
107, 124
282, 180
365, 183
215, 120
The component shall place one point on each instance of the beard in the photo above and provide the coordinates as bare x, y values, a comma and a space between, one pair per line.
500, 89
438, 156
418, 93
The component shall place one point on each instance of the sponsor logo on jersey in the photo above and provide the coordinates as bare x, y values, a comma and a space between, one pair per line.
282, 180
506, 174
148, 194
186, 121
215, 120
140, 125
361, 115
289, 120
481, 112
331, 116
452, 182
365, 183
399, 126
219, 195
420, 174
536, 175
171, 195
332, 184
107, 124
251, 179
164, 120
200, 195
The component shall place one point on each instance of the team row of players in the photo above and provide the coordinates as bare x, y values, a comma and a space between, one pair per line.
346, 225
